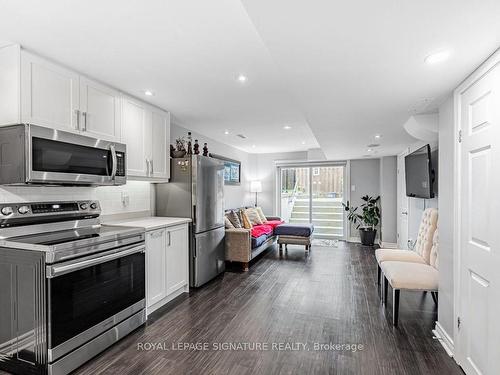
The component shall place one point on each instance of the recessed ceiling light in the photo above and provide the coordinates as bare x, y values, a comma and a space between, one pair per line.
149, 93
437, 57
226, 132
242, 78
253, 146
303, 142
369, 150
287, 127
377, 136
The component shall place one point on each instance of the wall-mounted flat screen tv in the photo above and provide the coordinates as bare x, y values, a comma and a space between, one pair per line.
419, 174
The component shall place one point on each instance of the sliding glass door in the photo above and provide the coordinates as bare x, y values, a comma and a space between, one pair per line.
314, 194
295, 194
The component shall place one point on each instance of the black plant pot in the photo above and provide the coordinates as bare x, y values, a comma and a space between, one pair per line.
367, 236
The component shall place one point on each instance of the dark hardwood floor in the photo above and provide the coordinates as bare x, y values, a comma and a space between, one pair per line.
329, 296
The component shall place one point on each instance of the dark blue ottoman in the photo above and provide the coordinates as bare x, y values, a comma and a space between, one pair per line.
294, 234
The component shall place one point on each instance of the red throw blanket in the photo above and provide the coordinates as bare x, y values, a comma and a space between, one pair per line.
274, 223
259, 230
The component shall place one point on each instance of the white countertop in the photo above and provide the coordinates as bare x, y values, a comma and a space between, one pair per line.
151, 222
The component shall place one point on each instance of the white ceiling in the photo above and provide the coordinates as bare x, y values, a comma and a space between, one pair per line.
336, 72
357, 68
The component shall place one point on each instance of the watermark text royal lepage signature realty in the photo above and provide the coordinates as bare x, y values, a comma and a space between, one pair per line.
249, 346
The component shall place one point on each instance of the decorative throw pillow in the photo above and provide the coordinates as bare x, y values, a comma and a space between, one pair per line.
228, 223
253, 216
234, 219
263, 217
245, 220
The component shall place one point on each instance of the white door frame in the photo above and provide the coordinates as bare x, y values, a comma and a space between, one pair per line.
492, 61
402, 197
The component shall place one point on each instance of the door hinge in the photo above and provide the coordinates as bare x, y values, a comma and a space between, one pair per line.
460, 136
458, 322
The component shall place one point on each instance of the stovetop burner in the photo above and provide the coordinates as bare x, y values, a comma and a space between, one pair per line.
64, 236
63, 230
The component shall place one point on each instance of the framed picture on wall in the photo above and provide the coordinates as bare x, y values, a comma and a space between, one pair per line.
232, 170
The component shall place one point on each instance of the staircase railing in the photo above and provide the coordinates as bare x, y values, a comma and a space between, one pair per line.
287, 203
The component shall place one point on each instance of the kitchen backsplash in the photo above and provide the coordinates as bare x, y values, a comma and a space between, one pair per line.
135, 196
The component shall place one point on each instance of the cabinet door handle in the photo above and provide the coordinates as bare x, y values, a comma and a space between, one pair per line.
169, 241
157, 234
84, 128
77, 112
147, 167
152, 167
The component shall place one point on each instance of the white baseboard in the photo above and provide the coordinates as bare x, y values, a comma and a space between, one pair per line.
388, 245
444, 339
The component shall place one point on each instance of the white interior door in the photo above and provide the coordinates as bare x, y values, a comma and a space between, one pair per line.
477, 103
402, 202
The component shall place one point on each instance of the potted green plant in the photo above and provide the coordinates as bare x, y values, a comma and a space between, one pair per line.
367, 220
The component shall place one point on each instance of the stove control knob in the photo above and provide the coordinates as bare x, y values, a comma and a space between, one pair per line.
23, 210
83, 206
7, 211
93, 205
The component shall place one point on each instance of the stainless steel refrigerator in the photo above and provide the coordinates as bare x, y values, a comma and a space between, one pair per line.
196, 190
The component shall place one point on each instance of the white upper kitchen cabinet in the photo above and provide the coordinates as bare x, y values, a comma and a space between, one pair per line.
146, 131
136, 134
49, 94
37, 91
160, 160
100, 110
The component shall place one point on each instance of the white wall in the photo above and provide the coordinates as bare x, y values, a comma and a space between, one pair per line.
110, 197
446, 215
365, 180
388, 199
234, 195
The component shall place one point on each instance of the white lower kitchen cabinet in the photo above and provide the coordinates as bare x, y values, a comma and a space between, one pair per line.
156, 263
167, 265
177, 258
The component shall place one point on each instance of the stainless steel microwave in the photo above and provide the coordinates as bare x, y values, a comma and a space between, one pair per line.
31, 154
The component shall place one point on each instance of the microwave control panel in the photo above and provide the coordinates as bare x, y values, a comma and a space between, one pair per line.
120, 164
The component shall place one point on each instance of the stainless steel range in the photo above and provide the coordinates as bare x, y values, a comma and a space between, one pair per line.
69, 286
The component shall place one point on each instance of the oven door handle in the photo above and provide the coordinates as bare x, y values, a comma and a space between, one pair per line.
114, 161
55, 271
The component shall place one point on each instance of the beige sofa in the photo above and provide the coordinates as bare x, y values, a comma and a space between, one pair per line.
239, 246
